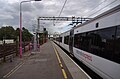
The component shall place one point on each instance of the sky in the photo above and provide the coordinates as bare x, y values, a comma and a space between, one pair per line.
10, 12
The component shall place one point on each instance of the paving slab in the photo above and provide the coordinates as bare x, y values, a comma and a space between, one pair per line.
42, 65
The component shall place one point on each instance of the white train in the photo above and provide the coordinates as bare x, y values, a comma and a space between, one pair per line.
96, 43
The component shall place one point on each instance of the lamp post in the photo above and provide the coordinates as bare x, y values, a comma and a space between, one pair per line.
21, 25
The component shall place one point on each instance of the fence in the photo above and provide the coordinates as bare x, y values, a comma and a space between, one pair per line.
12, 49
8, 49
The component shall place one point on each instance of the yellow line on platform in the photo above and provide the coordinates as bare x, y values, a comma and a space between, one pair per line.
63, 71
61, 65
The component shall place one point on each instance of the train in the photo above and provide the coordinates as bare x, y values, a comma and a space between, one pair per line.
96, 43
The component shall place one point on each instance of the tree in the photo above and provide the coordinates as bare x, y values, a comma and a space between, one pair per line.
26, 35
7, 32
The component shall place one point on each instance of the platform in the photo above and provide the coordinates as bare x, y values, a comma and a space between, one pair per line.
49, 63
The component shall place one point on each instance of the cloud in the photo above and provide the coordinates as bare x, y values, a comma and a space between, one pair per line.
9, 11
2, 16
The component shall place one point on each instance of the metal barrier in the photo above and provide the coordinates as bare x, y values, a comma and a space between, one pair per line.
7, 49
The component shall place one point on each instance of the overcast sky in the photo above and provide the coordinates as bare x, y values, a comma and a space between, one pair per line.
9, 12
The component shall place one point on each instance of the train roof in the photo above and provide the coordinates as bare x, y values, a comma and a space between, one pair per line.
109, 12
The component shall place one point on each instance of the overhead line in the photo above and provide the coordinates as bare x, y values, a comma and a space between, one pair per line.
102, 8
62, 7
99, 5
61, 11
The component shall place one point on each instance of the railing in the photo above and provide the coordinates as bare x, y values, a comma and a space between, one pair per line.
8, 49
12, 49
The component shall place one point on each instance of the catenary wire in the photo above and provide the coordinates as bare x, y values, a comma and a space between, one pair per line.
62, 7
98, 5
102, 8
60, 11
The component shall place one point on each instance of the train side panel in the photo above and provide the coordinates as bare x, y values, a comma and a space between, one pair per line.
103, 67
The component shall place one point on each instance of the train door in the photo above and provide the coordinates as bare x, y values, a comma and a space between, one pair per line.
71, 41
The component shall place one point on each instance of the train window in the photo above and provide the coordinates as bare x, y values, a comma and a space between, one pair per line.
117, 46
60, 39
100, 42
107, 42
81, 41
57, 39
85, 41
66, 40
76, 41
94, 42
97, 25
